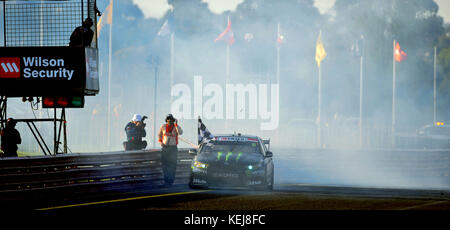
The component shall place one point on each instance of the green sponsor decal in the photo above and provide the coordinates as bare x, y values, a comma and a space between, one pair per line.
228, 155
239, 156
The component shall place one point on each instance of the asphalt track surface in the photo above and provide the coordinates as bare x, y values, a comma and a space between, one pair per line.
283, 197
321, 206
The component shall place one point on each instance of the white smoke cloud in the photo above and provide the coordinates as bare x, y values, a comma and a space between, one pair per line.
219, 6
157, 8
444, 9
153, 8
324, 5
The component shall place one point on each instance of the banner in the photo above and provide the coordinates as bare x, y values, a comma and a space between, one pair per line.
48, 71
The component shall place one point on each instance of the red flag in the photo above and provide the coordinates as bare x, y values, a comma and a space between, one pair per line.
280, 35
227, 35
280, 39
399, 54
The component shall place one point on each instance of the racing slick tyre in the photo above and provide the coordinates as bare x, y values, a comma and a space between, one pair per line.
269, 187
268, 183
192, 185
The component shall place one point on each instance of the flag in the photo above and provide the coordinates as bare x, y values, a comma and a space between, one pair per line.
280, 36
203, 132
248, 37
108, 15
280, 39
227, 35
320, 50
358, 47
399, 54
165, 29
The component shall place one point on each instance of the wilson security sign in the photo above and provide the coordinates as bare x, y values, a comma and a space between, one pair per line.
42, 71
33, 68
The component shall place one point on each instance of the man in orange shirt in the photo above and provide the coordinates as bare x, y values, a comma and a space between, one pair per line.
168, 138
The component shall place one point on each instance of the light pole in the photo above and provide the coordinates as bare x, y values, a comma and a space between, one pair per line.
154, 60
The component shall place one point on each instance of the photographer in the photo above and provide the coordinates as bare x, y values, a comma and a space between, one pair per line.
168, 138
135, 130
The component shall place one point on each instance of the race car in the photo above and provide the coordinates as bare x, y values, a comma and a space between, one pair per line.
232, 161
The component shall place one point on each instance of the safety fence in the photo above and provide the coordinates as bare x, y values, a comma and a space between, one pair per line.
44, 23
25, 177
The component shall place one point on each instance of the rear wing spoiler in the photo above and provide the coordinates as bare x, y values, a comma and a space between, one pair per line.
267, 142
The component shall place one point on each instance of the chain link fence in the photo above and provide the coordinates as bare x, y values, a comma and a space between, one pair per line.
45, 23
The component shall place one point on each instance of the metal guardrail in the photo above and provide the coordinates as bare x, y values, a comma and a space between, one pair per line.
86, 172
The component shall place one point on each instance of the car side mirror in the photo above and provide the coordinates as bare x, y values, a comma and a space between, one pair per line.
269, 154
193, 151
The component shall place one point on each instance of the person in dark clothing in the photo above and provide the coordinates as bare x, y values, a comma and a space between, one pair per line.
10, 138
82, 35
135, 130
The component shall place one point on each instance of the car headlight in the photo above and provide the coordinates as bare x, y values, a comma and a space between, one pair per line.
255, 166
200, 165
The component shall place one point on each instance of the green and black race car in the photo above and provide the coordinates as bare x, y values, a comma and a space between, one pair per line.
233, 161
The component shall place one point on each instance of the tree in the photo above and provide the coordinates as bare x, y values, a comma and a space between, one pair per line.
444, 74
417, 27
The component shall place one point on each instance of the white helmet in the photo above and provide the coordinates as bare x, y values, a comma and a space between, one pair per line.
136, 117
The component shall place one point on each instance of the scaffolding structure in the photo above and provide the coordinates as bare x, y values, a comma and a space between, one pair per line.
44, 24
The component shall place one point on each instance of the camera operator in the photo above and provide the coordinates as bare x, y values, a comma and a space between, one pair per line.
135, 130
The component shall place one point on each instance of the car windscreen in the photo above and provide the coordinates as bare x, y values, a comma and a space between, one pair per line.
231, 146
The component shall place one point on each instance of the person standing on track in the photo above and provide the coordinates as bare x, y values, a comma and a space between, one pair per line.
168, 138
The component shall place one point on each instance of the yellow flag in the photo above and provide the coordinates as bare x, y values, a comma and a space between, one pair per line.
320, 50
108, 13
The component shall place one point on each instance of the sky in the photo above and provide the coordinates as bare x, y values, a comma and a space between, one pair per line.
444, 9
157, 8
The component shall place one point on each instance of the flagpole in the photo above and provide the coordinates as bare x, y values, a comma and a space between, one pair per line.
228, 56
171, 59
228, 62
278, 57
361, 101
109, 80
155, 61
278, 65
434, 92
393, 97
319, 105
